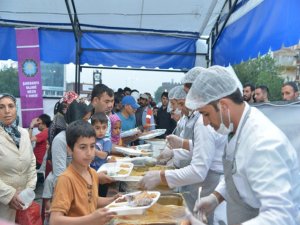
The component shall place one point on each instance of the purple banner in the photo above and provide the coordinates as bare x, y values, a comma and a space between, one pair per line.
30, 83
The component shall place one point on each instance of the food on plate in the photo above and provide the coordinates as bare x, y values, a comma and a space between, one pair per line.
141, 171
123, 165
146, 153
142, 199
122, 172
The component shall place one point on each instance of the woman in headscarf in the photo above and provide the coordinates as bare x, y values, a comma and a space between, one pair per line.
17, 167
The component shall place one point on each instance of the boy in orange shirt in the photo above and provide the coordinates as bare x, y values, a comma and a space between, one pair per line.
75, 199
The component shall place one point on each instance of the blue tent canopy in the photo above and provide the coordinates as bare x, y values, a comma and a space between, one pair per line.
269, 25
153, 33
123, 50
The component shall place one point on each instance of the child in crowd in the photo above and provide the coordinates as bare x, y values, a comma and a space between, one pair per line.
115, 129
103, 144
75, 199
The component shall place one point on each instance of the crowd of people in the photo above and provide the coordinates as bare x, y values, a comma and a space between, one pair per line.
255, 180
261, 94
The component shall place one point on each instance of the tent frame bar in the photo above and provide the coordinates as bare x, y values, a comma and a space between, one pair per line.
142, 52
137, 69
77, 34
216, 31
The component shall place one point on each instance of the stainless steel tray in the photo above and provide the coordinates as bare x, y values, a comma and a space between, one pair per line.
169, 210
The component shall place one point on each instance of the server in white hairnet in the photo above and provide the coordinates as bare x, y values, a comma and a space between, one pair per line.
205, 168
172, 107
166, 156
262, 176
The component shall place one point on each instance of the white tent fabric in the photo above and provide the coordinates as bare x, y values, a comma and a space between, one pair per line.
197, 16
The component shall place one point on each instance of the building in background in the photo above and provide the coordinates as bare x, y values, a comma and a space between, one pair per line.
289, 61
53, 80
85, 89
169, 85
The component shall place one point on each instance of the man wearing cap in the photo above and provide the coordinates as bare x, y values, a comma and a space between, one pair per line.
261, 184
127, 113
144, 114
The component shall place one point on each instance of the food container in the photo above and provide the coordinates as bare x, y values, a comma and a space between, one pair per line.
132, 151
146, 147
168, 210
124, 208
117, 170
152, 134
157, 145
129, 133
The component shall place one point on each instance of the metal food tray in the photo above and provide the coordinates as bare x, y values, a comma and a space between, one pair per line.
167, 203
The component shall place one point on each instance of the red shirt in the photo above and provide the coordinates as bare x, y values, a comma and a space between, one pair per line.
41, 145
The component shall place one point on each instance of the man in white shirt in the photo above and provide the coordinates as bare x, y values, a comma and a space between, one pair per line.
262, 176
205, 167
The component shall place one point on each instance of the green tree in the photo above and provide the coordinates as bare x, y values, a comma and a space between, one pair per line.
274, 84
261, 71
9, 81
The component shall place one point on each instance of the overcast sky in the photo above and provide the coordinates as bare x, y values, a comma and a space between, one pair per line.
143, 81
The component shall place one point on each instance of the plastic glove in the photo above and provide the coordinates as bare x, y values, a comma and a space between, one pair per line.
174, 141
150, 180
165, 156
205, 206
193, 220
150, 161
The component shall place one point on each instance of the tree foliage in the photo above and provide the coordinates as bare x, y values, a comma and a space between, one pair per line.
261, 71
9, 81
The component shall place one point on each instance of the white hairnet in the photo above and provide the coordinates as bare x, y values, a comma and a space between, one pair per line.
191, 75
169, 108
172, 92
179, 93
211, 84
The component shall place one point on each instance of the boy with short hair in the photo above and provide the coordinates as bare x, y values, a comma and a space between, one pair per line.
103, 144
75, 199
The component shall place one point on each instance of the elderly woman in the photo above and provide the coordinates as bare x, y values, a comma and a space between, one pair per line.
17, 167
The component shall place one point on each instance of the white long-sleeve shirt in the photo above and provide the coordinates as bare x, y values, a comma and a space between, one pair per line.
267, 172
207, 154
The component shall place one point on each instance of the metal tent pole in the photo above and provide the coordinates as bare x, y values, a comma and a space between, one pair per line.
77, 34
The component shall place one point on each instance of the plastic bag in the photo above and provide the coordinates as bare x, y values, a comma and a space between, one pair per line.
30, 216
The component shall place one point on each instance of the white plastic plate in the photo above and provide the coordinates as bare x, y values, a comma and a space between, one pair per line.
122, 208
145, 147
153, 134
129, 133
113, 169
131, 151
